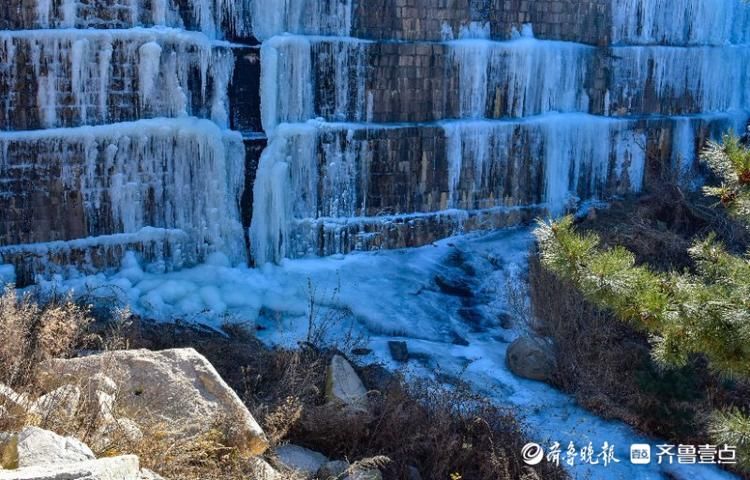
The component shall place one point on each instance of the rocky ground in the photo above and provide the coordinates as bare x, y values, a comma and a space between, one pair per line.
167, 412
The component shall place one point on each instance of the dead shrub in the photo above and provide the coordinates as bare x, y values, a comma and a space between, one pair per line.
437, 430
32, 333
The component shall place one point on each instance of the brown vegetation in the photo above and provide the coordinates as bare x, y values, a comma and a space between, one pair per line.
439, 432
442, 433
606, 363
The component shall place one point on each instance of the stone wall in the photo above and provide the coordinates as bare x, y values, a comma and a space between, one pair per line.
169, 249
53, 85
89, 182
585, 21
407, 170
422, 82
217, 19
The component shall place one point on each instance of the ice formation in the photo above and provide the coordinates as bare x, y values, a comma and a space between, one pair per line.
214, 18
286, 87
108, 72
173, 173
691, 80
372, 286
319, 17
680, 22
535, 122
534, 76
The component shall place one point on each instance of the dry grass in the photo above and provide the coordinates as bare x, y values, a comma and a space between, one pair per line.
452, 433
659, 228
31, 334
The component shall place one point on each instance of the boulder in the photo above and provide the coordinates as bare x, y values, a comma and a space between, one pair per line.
60, 404
529, 358
300, 459
399, 351
125, 467
361, 474
14, 403
33, 447
178, 385
412, 473
146, 474
332, 469
454, 287
262, 470
344, 385
506, 320
114, 431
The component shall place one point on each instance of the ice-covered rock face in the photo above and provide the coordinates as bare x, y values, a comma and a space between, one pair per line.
215, 18
114, 133
71, 78
177, 174
479, 112
680, 22
385, 125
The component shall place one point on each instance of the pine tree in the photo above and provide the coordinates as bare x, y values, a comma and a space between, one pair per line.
705, 312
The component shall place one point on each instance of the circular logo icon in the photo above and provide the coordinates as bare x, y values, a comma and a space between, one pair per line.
532, 453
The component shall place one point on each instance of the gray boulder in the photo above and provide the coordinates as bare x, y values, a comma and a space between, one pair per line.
529, 358
125, 467
263, 471
399, 350
332, 469
300, 459
178, 385
60, 404
12, 402
33, 447
343, 385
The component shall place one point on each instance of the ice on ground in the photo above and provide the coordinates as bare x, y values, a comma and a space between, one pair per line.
7, 274
425, 296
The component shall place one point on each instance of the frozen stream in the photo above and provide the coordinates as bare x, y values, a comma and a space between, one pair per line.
394, 295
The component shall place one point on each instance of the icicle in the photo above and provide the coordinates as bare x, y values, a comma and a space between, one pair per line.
159, 12
472, 58
685, 80
344, 179
105, 65
287, 165
180, 173
680, 22
320, 17
454, 154
526, 76
79, 74
476, 30
683, 150
222, 68
43, 10
148, 70
578, 153
47, 99
286, 62
69, 13
72, 73
343, 63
